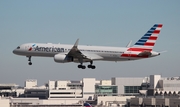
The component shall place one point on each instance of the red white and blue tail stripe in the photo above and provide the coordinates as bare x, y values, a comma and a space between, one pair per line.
143, 47
147, 42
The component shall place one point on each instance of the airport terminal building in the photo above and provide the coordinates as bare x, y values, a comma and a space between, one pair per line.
117, 91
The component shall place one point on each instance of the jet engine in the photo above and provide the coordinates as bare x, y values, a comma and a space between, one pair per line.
60, 58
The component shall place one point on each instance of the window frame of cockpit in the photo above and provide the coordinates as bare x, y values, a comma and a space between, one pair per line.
18, 47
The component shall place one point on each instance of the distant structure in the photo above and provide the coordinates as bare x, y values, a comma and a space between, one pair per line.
118, 91
7, 90
164, 86
30, 83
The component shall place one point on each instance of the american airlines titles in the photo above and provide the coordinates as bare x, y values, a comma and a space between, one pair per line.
49, 49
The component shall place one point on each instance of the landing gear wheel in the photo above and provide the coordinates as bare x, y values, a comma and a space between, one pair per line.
89, 66
82, 66
30, 63
79, 66
93, 67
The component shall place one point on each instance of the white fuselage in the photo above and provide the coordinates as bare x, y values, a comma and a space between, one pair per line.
63, 53
50, 50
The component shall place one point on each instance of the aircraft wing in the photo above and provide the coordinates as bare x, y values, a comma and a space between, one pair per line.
91, 56
81, 55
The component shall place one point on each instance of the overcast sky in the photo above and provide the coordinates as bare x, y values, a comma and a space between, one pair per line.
95, 22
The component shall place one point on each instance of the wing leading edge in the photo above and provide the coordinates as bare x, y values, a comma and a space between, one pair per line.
82, 55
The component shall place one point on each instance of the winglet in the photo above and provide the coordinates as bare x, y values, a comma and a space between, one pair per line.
76, 43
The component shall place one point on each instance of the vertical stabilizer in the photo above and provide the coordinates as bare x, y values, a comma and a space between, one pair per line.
147, 41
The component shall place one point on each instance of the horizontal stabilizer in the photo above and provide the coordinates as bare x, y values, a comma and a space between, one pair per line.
162, 52
129, 44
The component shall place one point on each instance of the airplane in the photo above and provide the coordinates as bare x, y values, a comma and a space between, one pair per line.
64, 53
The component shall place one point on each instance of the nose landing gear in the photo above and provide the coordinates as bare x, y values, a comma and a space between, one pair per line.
29, 59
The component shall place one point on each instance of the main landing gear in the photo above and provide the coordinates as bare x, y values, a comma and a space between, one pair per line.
82, 66
29, 59
92, 66
89, 66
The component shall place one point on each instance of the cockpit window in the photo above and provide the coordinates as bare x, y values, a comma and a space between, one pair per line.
18, 47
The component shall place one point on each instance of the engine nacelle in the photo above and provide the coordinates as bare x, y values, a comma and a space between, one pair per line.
60, 58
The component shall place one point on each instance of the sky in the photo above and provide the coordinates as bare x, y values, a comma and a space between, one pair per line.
95, 22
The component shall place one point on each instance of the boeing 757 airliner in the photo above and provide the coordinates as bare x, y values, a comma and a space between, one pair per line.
63, 53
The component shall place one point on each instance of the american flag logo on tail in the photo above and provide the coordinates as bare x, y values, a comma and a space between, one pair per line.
147, 42
143, 47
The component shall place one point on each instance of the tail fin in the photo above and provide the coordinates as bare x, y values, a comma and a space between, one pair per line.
147, 42
87, 105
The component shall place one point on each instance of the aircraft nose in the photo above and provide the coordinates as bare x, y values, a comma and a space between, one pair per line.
17, 50
14, 51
